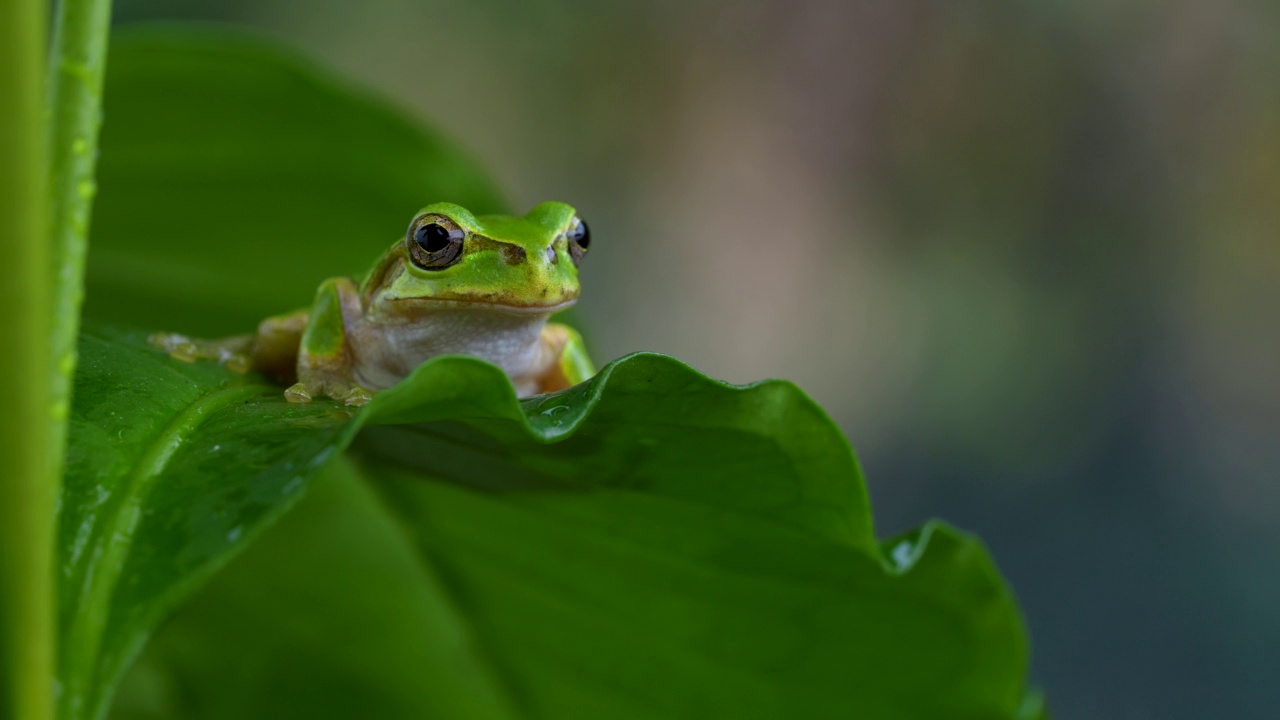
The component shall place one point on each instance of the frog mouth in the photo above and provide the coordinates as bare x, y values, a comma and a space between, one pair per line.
488, 305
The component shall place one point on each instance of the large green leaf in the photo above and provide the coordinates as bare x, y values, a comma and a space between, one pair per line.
652, 543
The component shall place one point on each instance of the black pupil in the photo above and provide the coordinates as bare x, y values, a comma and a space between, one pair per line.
432, 237
581, 235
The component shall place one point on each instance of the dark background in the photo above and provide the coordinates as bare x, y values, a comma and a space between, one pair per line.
1027, 254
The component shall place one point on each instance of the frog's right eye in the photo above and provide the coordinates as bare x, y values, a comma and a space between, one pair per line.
434, 242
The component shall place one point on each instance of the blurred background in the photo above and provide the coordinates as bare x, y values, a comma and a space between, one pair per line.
1027, 254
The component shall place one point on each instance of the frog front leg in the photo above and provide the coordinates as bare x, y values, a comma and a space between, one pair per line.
567, 361
273, 350
325, 360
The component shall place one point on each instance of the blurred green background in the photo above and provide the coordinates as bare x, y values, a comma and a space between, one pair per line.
1026, 254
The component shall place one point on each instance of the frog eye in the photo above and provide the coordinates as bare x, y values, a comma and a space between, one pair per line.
434, 242
579, 239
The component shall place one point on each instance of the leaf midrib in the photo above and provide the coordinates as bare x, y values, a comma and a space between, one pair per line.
114, 539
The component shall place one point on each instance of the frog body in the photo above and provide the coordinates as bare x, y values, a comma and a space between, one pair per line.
455, 284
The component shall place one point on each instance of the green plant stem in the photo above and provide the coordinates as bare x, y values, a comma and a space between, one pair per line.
76, 65
74, 109
28, 490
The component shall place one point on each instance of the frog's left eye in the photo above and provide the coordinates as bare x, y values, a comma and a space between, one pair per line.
434, 242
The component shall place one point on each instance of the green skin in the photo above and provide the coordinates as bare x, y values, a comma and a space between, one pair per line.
491, 299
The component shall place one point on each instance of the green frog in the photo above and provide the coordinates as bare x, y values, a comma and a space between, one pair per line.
456, 283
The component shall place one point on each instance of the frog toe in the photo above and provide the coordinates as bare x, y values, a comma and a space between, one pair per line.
179, 347
297, 393
357, 396
236, 362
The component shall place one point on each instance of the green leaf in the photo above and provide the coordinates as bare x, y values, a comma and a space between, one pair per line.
572, 550
577, 606
653, 543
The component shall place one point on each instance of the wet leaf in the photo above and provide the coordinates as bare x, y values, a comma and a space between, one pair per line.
563, 552
170, 467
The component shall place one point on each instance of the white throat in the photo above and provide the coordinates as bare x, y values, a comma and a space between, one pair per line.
387, 352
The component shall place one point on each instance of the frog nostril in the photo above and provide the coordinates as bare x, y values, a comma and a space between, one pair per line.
552, 257
513, 254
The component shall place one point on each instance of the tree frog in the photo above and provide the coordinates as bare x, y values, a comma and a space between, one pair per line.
456, 283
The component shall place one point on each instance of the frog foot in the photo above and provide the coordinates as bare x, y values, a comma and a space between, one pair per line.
347, 394
232, 353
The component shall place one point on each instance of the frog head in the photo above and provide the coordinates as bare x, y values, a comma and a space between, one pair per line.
450, 258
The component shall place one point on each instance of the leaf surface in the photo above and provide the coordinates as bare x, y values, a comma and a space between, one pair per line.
606, 548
